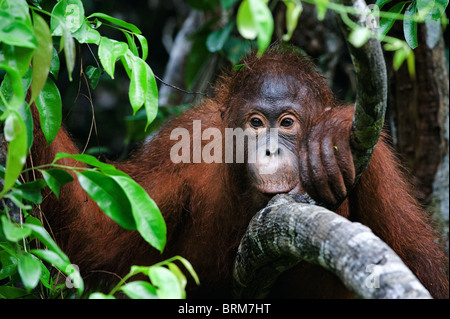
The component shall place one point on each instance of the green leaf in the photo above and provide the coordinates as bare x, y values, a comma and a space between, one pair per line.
56, 178
74, 279
8, 262
109, 196
51, 257
148, 218
140, 290
16, 134
17, 200
131, 44
47, 240
49, 106
399, 57
16, 32
119, 22
182, 281
54, 65
33, 221
66, 15
144, 46
99, 295
53, 254
245, 22
410, 60
438, 9
68, 44
321, 8
359, 36
403, 52
410, 26
63, 264
394, 45
166, 283
45, 277
42, 56
216, 40
189, 268
87, 34
12, 127
93, 74
18, 58
264, 23
293, 11
31, 191
12, 232
25, 111
18, 9
109, 51
134, 270
138, 83
15, 100
425, 7
29, 270
126, 62
13, 79
105, 53
90, 160
387, 23
8, 292
151, 96
119, 49
431, 10
254, 20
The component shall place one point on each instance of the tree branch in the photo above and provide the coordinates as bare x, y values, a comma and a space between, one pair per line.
175, 67
287, 232
371, 95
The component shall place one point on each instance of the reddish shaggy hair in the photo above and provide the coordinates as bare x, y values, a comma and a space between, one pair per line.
207, 207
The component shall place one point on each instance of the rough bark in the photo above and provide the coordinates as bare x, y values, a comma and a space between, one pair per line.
419, 111
287, 232
173, 91
371, 95
174, 73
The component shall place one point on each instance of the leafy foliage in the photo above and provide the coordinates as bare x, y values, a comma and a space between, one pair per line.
254, 21
166, 281
31, 35
429, 11
26, 38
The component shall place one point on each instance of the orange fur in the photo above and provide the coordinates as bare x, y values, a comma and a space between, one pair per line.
207, 207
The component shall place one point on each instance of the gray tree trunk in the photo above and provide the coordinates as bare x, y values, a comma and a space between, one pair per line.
287, 232
175, 69
419, 109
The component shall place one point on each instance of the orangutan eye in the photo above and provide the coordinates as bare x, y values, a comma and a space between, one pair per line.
256, 122
287, 122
